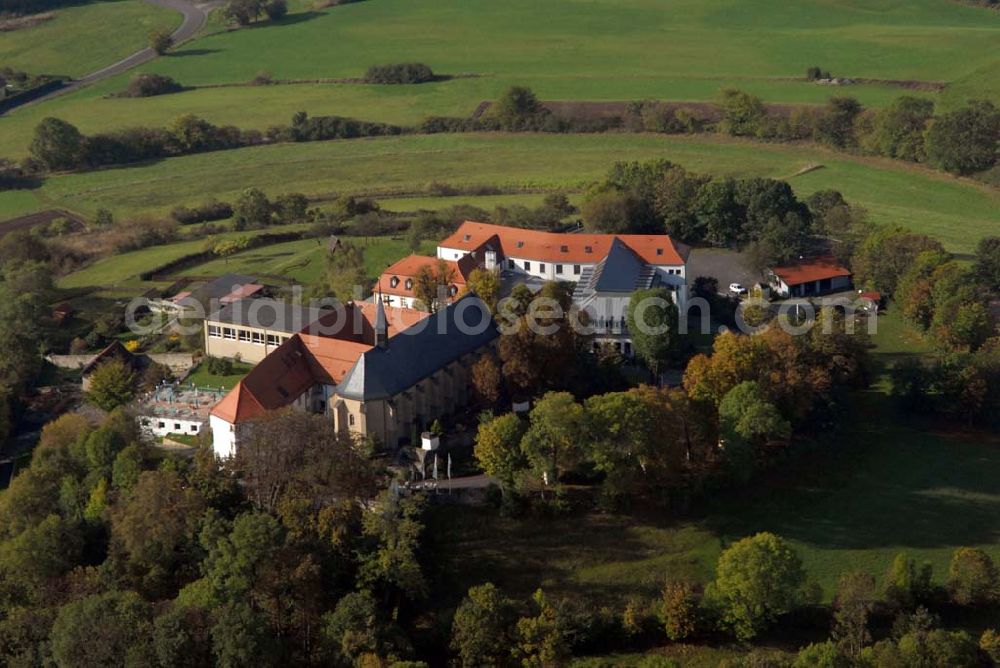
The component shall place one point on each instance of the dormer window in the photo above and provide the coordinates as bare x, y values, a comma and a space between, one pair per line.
467, 237
520, 244
588, 249
659, 251
394, 281
564, 249
409, 284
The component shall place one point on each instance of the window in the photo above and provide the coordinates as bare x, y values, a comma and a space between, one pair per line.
564, 249
510, 264
452, 290
520, 244
659, 251
177, 426
272, 339
194, 427
258, 338
541, 267
394, 281
350, 419
588, 249
527, 266
161, 424
467, 237
244, 334
558, 268
228, 333
409, 284
214, 331
576, 269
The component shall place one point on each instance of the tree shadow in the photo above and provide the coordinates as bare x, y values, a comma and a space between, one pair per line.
183, 53
287, 20
895, 486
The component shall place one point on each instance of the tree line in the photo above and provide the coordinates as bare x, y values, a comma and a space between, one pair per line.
759, 582
114, 554
57, 145
963, 141
759, 214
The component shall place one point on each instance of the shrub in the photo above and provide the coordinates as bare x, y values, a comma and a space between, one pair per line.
219, 366
679, 610
320, 128
262, 78
208, 211
276, 9
400, 73
148, 85
103, 218
160, 41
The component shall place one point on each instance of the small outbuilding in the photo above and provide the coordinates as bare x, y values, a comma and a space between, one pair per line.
807, 277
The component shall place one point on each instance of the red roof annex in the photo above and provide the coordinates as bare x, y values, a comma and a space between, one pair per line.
655, 249
808, 271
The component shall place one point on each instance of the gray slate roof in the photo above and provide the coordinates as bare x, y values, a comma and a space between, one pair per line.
222, 286
274, 314
462, 327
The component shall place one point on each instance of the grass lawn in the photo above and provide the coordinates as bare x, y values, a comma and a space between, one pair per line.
303, 261
202, 378
645, 45
85, 38
957, 211
884, 487
665, 49
121, 272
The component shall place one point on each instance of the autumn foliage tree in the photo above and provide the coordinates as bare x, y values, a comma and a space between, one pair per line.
112, 384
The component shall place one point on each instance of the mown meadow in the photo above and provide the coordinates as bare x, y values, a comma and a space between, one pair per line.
563, 49
957, 211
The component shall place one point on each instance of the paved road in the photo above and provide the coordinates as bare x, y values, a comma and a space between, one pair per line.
195, 16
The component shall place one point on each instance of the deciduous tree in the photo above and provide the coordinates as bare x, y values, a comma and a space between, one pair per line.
757, 579
552, 442
481, 632
498, 448
972, 577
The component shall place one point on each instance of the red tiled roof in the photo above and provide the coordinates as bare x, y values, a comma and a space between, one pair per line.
409, 267
306, 359
808, 271
871, 296
291, 369
357, 322
658, 249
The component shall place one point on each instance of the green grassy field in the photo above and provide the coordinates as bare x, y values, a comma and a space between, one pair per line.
883, 487
122, 271
299, 261
665, 49
303, 261
959, 212
80, 40
201, 377
645, 46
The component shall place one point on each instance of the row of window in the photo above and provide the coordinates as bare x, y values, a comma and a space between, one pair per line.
559, 268
245, 335
541, 267
161, 424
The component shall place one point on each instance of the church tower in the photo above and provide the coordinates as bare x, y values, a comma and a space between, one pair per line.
381, 323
